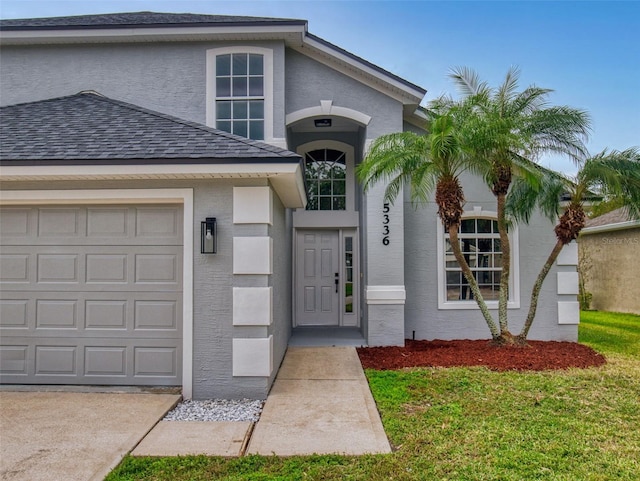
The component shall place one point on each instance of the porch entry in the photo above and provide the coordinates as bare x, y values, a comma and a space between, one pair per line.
325, 278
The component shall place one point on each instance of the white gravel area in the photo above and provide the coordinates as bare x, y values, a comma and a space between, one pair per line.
216, 410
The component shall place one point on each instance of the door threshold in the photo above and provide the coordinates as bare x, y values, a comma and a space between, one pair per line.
327, 336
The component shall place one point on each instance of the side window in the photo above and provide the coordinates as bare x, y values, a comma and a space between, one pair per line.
326, 174
480, 245
239, 91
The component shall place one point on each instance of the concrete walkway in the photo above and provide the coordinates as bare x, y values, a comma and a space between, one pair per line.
70, 435
320, 403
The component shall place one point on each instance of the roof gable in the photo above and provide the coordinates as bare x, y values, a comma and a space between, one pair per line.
167, 27
90, 128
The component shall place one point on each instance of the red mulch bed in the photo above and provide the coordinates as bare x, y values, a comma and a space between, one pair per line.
537, 356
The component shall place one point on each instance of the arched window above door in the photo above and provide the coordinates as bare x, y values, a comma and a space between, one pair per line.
326, 175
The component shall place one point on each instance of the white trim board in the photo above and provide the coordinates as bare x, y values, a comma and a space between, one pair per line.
140, 196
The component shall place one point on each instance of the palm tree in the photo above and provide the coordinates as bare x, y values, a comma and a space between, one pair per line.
507, 126
614, 176
426, 163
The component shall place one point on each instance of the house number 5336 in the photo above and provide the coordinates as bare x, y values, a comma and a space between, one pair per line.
385, 224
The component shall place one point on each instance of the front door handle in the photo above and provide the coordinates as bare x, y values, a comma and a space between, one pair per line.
337, 281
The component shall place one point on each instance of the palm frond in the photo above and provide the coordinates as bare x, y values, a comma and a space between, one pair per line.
467, 81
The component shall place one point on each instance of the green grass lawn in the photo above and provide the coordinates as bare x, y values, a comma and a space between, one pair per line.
474, 424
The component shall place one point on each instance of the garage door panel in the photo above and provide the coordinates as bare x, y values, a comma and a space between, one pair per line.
61, 222
14, 267
91, 295
15, 222
58, 268
107, 268
14, 313
89, 314
90, 361
108, 222
95, 225
57, 314
14, 361
91, 268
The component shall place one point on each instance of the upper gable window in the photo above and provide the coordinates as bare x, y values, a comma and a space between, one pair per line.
240, 94
239, 91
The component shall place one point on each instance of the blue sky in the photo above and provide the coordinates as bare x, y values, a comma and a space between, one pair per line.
587, 51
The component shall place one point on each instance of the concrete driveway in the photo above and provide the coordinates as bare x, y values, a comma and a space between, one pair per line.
73, 436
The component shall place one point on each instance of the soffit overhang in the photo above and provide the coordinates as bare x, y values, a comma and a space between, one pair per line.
285, 178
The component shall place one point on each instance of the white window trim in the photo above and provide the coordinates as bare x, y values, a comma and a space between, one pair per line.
514, 281
138, 196
268, 84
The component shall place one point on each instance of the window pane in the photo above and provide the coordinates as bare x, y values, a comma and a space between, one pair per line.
467, 226
339, 203
255, 64
223, 109
454, 277
239, 86
484, 245
348, 244
484, 226
469, 245
240, 128
223, 87
256, 130
256, 86
338, 187
256, 109
339, 171
239, 110
495, 227
224, 125
325, 203
239, 64
325, 187
496, 245
223, 65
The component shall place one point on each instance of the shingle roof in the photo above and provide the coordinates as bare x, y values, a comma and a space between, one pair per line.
617, 216
140, 19
89, 128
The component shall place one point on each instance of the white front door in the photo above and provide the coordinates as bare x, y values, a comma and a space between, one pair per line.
318, 278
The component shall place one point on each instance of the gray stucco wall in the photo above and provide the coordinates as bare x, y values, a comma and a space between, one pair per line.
421, 266
281, 232
308, 82
167, 77
213, 281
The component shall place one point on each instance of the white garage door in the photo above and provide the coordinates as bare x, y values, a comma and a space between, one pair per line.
91, 294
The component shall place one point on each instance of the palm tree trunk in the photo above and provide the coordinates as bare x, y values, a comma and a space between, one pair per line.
473, 284
568, 228
505, 247
535, 292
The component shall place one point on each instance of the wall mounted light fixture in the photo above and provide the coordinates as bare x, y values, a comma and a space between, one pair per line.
208, 236
322, 122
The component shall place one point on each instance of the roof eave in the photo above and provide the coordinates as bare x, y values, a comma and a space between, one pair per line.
289, 31
285, 177
610, 227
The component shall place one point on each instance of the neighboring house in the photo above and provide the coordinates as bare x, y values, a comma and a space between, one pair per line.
609, 261
112, 164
